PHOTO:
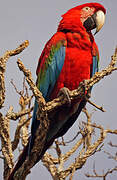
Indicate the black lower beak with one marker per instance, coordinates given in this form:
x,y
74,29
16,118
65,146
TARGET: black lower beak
x,y
90,22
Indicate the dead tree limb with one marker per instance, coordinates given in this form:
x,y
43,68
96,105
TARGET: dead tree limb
x,y
3,61
5,120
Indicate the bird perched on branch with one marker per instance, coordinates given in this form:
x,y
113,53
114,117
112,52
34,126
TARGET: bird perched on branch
x,y
68,58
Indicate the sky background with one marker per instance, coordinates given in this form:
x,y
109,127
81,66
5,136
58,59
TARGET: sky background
x,y
37,21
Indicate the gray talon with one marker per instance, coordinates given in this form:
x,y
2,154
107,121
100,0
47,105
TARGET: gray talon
x,y
66,94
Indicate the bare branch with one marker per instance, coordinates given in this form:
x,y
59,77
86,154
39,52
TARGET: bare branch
x,y
112,145
48,163
5,121
72,174
15,116
110,156
15,142
104,175
81,159
96,106
67,142
6,145
3,61
18,92
31,83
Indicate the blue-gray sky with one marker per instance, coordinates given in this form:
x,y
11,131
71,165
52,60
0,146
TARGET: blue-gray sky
x,y
37,21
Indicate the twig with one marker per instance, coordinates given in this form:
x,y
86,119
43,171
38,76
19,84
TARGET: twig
x,y
58,150
17,133
89,128
110,156
67,142
3,61
81,159
112,145
49,164
104,175
96,106
15,116
24,101
72,174
70,152
18,92
31,83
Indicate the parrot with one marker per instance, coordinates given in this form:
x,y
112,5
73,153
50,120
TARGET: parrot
x,y
68,58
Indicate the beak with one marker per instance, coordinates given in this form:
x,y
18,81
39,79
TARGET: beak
x,y
95,21
100,19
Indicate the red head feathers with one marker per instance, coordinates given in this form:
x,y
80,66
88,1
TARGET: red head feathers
x,y
74,18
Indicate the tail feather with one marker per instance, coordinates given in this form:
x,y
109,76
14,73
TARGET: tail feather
x,y
61,132
23,156
71,120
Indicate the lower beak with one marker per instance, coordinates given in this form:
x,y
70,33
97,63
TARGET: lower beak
x,y
95,21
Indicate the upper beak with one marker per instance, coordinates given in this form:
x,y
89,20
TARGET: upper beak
x,y
95,21
100,19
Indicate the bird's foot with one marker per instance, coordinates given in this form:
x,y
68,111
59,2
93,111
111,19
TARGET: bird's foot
x,y
83,85
65,92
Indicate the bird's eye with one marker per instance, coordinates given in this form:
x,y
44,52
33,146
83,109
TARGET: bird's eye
x,y
86,8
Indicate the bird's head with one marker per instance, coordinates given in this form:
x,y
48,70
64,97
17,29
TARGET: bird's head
x,y
87,16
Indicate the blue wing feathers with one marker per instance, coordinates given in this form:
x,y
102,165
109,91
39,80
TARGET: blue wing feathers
x,y
52,73
47,81
54,69
95,65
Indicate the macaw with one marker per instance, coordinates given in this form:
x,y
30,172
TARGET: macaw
x,y
69,57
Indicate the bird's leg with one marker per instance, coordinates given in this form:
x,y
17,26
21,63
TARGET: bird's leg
x,y
66,94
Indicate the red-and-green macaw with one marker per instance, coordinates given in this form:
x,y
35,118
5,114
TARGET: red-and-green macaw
x,y
69,57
